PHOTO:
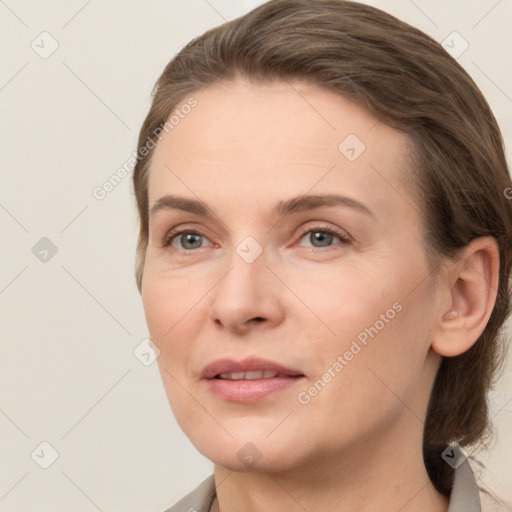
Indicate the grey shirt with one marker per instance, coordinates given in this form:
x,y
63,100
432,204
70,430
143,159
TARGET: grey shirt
x,y
465,496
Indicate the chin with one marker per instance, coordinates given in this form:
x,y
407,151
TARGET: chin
x,y
271,463
248,449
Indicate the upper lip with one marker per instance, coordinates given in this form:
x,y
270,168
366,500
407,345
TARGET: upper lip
x,y
246,365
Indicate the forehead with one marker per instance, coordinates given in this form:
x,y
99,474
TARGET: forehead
x,y
272,140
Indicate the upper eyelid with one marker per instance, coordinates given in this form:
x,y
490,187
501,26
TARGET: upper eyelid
x,y
303,229
172,233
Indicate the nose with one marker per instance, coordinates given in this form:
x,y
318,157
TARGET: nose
x,y
247,297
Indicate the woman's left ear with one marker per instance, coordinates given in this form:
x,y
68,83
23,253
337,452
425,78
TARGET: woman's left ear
x,y
474,286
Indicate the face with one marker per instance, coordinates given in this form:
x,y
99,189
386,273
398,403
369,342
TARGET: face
x,y
337,290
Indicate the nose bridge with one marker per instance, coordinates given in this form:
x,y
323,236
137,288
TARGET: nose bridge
x,y
246,290
246,273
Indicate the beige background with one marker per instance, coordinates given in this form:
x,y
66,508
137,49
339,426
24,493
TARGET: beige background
x,y
69,325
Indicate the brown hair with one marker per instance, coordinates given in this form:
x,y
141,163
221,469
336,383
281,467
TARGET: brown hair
x,y
408,81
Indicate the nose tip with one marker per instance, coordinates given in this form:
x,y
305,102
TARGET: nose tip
x,y
239,325
246,297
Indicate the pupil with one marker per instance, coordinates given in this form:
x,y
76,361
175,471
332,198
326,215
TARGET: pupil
x,y
190,238
321,237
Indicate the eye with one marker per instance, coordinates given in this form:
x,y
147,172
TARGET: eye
x,y
323,236
318,236
187,240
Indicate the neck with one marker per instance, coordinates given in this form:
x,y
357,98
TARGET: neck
x,y
385,474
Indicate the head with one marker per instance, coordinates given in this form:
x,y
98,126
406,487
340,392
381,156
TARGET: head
x,y
258,111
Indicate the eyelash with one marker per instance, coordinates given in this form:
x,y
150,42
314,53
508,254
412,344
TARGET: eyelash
x,y
171,235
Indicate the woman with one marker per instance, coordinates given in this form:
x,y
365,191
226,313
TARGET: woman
x,y
324,251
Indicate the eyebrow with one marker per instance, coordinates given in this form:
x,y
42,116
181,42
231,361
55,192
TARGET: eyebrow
x,y
282,208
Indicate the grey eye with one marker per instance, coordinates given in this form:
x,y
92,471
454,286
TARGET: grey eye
x,y
194,239
320,238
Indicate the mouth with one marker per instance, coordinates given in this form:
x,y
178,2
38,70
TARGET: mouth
x,y
254,375
250,380
251,368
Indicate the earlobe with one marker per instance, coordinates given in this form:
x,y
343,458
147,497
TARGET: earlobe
x,y
474,283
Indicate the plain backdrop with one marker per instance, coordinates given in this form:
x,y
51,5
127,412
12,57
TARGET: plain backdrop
x,y
71,316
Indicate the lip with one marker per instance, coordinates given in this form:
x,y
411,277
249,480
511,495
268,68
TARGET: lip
x,y
246,365
248,390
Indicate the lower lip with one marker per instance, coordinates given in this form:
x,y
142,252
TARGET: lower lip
x,y
250,390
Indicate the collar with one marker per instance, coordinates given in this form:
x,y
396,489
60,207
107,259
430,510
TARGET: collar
x,y
464,497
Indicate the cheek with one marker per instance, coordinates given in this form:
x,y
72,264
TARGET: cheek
x,y
171,318
377,344
372,381
346,298
169,303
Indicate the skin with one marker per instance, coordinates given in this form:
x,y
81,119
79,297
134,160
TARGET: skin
x,y
357,445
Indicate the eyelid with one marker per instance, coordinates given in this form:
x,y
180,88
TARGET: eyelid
x,y
340,233
172,233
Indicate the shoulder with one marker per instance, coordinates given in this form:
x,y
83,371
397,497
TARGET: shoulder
x,y
198,500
